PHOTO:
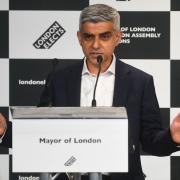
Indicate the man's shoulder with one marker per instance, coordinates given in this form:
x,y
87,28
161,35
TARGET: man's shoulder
x,y
133,71
70,68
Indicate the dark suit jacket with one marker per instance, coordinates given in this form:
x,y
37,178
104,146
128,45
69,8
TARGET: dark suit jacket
x,y
135,90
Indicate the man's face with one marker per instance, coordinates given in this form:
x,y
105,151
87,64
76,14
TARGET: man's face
x,y
98,39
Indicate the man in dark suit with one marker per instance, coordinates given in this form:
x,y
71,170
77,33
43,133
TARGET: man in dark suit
x,y
119,85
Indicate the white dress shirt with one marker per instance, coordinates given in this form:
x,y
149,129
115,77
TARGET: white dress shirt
x,y
105,86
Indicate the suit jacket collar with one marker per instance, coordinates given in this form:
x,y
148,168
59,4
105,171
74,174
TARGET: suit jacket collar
x,y
121,86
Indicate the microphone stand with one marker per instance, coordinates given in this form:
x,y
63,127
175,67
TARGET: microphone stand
x,y
99,60
96,175
46,95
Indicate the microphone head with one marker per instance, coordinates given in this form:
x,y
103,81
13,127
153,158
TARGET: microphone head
x,y
99,59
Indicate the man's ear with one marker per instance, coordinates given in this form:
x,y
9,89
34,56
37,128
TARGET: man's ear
x,y
79,37
119,36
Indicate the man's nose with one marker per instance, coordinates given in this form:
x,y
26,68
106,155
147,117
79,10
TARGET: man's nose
x,y
96,43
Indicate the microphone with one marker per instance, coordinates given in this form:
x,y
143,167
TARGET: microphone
x,y
99,60
46,95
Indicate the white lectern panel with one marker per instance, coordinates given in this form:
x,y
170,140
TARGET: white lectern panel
x,y
70,145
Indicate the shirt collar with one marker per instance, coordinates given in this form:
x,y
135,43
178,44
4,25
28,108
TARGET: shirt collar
x,y
110,70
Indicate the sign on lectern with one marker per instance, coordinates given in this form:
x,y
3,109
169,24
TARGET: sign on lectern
x,y
75,139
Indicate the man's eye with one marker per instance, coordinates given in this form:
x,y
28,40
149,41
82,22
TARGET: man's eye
x,y
105,36
87,37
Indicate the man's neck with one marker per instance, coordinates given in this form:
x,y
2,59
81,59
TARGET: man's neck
x,y
94,68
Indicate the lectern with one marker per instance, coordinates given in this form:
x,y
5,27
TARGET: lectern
x,y
70,139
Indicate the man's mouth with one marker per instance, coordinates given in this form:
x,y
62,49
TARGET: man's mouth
x,y
95,54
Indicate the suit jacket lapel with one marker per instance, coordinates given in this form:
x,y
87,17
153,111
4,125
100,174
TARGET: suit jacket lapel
x,y
122,84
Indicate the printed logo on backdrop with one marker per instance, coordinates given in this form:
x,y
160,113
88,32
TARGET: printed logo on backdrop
x,y
50,36
130,33
31,82
146,35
